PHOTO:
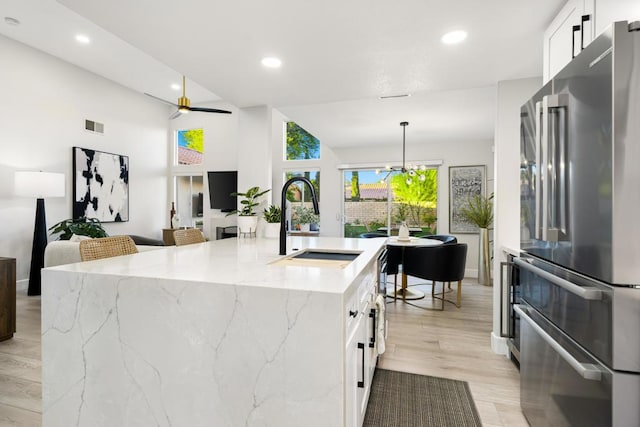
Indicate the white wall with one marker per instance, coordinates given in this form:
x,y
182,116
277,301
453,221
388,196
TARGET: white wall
x,y
451,154
220,154
45,103
511,95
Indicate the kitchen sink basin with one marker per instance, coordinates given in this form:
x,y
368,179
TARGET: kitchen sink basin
x,y
319,258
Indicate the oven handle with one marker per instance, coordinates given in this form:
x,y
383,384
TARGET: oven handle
x,y
583,292
588,371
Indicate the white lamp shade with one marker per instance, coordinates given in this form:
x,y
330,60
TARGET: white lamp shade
x,y
39,184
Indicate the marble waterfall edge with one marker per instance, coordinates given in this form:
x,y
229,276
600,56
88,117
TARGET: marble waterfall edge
x,y
123,350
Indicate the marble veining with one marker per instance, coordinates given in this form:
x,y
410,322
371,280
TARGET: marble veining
x,y
149,348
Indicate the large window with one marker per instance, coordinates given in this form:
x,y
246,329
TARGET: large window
x,y
190,147
298,195
413,199
300,144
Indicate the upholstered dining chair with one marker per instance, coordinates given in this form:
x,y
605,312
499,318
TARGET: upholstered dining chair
x,y
188,236
106,247
441,263
444,238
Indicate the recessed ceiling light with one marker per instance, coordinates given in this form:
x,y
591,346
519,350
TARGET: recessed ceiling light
x,y
11,21
271,62
454,37
175,86
82,39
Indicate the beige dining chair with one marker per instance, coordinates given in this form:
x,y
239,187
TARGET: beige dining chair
x,y
106,247
188,236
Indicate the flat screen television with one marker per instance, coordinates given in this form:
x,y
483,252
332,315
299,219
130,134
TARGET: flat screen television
x,y
221,185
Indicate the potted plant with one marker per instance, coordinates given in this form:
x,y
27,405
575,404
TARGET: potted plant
x,y
479,210
272,215
80,227
305,217
247,219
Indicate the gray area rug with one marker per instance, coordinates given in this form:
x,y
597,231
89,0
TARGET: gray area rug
x,y
400,399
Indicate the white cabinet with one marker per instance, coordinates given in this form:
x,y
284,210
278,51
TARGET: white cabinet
x,y
360,351
577,24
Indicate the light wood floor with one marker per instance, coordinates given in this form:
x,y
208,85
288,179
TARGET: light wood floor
x,y
455,343
451,344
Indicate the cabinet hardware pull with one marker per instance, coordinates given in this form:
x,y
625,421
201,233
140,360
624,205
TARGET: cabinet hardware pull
x,y
361,383
353,313
372,340
575,29
585,18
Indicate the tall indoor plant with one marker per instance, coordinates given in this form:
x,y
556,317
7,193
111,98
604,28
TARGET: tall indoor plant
x,y
247,218
479,210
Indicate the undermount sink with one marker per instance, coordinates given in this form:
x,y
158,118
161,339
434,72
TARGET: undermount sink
x,y
319,258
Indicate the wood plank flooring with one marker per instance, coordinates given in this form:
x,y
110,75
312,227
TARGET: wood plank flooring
x,y
455,343
451,344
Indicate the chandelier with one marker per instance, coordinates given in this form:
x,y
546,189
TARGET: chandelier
x,y
411,169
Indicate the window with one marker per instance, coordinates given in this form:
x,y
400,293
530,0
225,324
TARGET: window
x,y
298,195
190,147
413,199
300,144
189,196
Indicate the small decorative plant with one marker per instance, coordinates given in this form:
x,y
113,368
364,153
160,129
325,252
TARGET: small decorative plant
x,y
249,202
272,214
80,227
305,215
479,210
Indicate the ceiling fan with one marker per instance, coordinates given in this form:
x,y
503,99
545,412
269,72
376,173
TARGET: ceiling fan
x,y
184,104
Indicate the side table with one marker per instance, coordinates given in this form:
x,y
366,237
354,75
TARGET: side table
x,y
7,298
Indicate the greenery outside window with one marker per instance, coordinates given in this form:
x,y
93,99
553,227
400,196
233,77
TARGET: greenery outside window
x,y
300,144
190,147
298,195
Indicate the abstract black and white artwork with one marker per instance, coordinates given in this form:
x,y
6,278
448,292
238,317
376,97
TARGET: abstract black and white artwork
x,y
100,185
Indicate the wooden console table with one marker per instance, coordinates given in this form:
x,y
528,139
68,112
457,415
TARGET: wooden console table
x,y
7,298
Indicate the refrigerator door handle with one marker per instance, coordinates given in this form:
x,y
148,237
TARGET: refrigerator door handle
x,y
538,169
588,371
544,168
583,292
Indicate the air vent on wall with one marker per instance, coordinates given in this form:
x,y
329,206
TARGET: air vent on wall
x,y
95,127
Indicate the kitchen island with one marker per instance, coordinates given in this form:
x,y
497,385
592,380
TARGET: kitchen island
x,y
215,334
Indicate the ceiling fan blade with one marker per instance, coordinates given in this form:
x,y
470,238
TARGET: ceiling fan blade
x,y
160,99
174,115
209,110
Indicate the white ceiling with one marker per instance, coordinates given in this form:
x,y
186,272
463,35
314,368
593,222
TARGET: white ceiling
x,y
338,56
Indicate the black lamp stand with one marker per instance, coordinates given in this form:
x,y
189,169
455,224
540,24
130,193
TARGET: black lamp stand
x,y
37,251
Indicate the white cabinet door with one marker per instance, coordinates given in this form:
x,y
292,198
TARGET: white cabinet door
x,y
363,383
609,11
351,378
559,39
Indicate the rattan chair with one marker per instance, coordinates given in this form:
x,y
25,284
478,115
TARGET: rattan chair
x,y
188,236
106,247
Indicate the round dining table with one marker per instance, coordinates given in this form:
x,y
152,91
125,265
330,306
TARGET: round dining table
x,y
411,242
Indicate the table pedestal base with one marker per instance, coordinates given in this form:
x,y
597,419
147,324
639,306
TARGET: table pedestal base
x,y
410,294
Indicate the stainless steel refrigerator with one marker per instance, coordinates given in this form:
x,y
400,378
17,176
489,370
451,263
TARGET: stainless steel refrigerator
x,y
579,272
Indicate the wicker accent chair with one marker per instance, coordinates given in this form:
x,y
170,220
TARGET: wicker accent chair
x,y
107,247
188,236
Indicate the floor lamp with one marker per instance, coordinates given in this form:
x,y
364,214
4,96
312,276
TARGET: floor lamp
x,y
39,185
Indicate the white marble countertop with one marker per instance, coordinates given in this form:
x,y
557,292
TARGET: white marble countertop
x,y
240,261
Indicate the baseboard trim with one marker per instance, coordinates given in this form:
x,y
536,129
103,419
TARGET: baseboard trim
x,y
499,345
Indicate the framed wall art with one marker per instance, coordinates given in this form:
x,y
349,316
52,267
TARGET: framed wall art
x,y
100,185
464,182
